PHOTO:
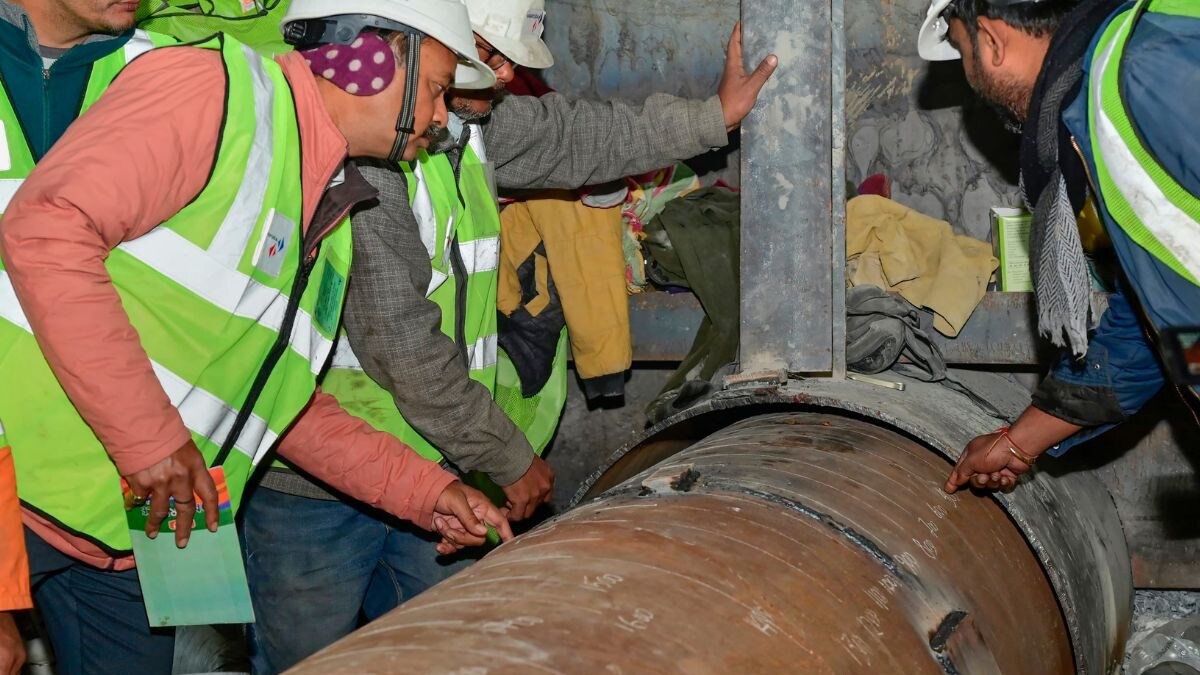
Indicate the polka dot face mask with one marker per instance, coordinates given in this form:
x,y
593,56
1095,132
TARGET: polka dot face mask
x,y
363,68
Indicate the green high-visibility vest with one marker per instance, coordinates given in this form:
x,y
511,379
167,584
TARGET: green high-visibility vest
x,y
469,226
462,238
207,292
254,23
16,158
1143,199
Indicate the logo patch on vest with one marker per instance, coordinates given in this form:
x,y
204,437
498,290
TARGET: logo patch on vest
x,y
277,240
329,299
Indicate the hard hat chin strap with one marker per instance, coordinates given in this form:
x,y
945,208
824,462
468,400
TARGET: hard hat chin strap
x,y
408,110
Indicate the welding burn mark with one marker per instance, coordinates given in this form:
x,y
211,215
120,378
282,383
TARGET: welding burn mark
x,y
850,534
941,637
947,665
937,641
685,481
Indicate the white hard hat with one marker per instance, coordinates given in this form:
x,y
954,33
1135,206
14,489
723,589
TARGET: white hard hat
x,y
514,27
932,44
446,21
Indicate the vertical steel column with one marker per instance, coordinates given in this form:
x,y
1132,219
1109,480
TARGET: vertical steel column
x,y
793,191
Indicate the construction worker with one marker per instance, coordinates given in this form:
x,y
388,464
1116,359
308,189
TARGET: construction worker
x,y
48,58
174,274
1105,91
421,323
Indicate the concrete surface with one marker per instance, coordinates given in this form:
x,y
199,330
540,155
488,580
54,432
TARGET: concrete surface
x,y
947,154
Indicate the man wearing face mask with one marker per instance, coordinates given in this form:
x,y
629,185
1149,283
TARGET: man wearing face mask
x,y
419,354
1106,91
173,280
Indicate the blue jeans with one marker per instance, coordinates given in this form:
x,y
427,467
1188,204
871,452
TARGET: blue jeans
x,y
317,569
96,618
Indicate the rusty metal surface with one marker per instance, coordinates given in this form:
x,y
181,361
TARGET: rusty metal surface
x,y
786,543
1001,332
787,220
1069,520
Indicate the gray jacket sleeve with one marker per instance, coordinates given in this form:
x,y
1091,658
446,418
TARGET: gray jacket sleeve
x,y
395,332
556,142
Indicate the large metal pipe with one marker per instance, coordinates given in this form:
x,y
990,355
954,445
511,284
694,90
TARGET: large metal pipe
x,y
794,542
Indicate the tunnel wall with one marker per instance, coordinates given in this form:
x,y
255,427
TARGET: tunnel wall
x,y
948,155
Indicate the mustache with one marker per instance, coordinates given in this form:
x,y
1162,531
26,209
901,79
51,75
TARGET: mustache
x,y
436,133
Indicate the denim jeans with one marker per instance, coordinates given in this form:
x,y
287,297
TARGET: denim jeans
x,y
319,569
96,618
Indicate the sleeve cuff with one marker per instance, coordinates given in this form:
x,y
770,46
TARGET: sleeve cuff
x,y
708,119
16,598
132,462
1081,405
520,459
424,499
1078,439
16,602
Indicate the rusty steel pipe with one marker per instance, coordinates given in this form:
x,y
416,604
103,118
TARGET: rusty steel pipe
x,y
787,543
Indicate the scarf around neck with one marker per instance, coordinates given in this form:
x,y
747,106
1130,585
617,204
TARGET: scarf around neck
x,y
1054,182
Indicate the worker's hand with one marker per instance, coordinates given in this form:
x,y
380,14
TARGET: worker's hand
x,y
184,476
459,517
739,90
12,648
530,491
986,464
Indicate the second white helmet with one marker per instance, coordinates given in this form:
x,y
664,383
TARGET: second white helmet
x,y
932,44
515,28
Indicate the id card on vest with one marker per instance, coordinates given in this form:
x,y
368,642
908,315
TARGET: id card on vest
x,y
202,584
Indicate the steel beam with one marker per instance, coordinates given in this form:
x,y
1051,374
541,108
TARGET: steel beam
x,y
1001,332
792,246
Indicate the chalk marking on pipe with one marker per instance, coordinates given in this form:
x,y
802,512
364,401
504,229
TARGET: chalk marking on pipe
x,y
751,609
493,598
761,550
340,659
469,584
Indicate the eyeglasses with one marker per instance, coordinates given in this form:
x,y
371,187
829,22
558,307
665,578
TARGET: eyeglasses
x,y
492,56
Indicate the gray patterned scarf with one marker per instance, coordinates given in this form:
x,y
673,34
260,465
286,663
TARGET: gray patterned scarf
x,y
1054,182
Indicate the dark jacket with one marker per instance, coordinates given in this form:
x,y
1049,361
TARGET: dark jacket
x,y
46,100
1122,369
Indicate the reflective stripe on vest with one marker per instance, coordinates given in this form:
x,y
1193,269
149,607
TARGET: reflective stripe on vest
x,y
1143,199
207,292
441,217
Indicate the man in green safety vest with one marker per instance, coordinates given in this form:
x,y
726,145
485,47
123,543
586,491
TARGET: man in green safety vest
x,y
419,357
174,272
1106,91
48,61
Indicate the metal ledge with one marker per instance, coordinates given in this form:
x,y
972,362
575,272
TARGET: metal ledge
x,y
1001,332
